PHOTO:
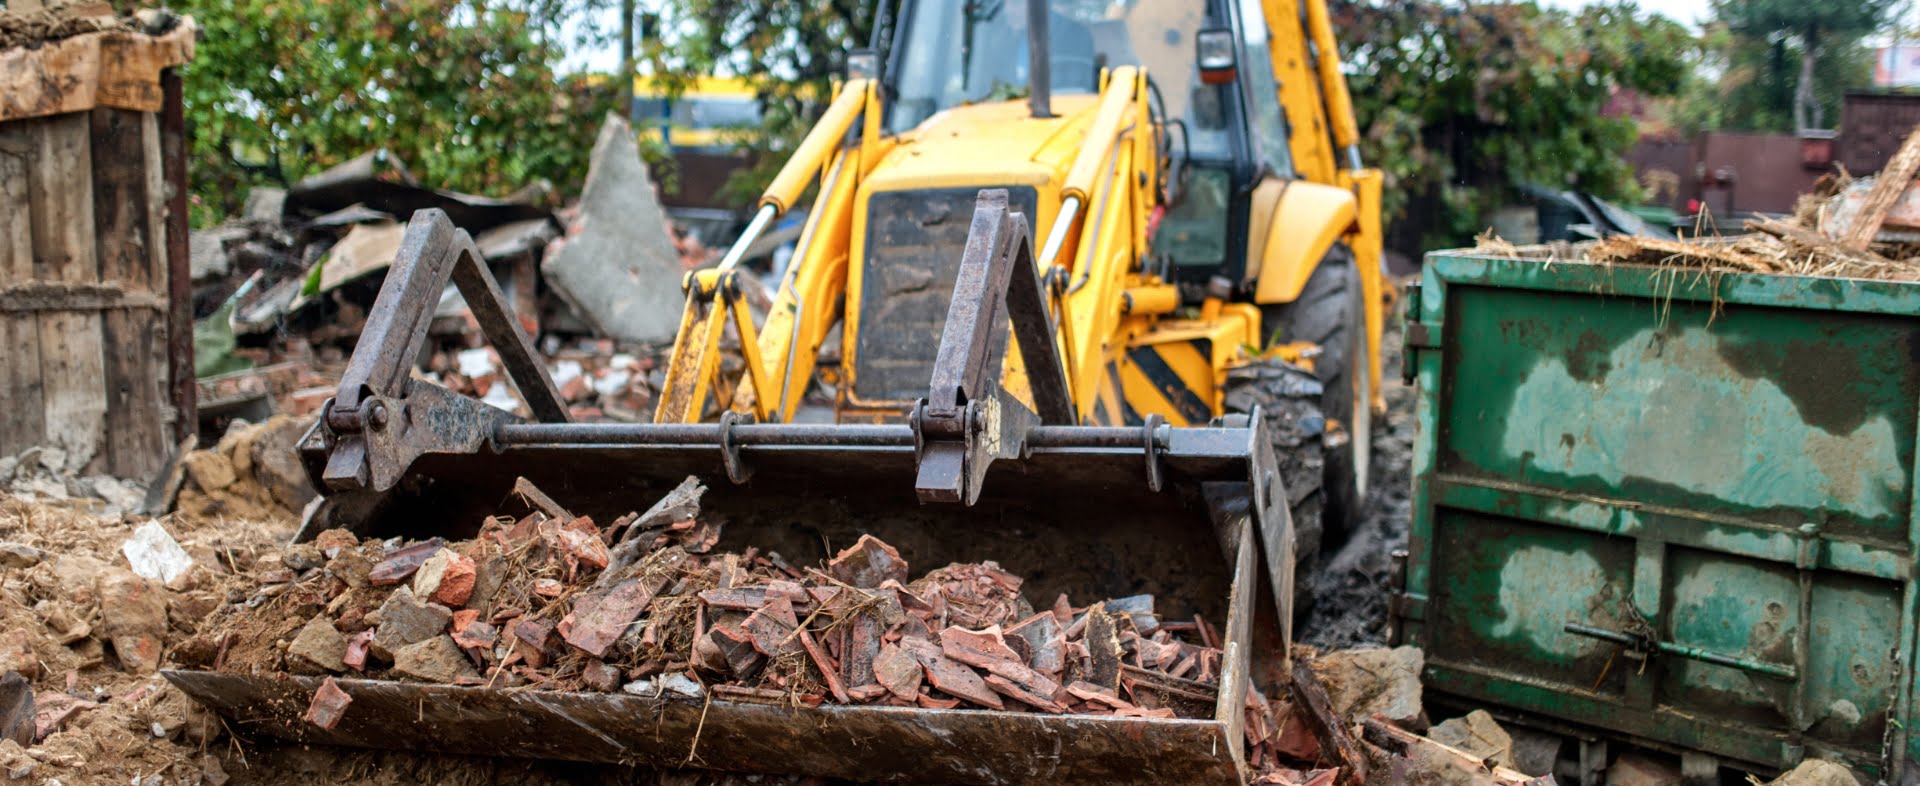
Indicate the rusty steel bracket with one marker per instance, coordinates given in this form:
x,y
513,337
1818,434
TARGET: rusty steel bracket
x,y
967,421
381,420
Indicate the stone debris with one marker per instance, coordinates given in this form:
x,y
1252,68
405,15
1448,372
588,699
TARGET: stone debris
x,y
1479,734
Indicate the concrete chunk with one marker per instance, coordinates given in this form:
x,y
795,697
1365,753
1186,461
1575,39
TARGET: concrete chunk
x,y
319,647
437,659
405,620
618,268
1479,734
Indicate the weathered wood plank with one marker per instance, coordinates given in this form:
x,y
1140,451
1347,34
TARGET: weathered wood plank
x,y
59,185
1887,188
134,368
23,420
111,69
179,323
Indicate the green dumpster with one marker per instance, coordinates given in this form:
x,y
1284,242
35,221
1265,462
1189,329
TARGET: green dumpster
x,y
1669,506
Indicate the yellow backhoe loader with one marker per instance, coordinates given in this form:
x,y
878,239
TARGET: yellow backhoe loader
x,y
1094,290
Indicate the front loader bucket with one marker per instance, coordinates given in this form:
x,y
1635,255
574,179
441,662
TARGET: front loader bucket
x,y
1195,517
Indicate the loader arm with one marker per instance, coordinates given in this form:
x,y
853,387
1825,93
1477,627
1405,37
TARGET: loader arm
x,y
1325,145
780,355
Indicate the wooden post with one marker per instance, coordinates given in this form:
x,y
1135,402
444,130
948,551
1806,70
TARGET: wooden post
x,y
71,368
93,257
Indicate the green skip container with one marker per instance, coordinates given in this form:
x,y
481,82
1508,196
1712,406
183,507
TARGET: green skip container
x,y
1668,507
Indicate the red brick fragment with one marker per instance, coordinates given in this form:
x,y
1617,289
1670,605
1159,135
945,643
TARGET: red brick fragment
x,y
868,563
476,636
1019,693
1088,691
329,705
1046,652
736,646
397,564
897,671
976,647
456,580
772,628
530,640
601,676
581,541
829,670
549,588
736,598
601,616
949,676
867,693
461,619
357,645
928,702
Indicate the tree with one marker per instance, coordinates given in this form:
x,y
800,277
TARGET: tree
x,y
1768,34
464,91
1463,104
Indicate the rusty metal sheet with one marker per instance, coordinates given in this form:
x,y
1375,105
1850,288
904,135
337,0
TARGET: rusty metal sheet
x,y
880,744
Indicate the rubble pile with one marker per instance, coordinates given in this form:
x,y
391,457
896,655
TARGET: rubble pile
x,y
1866,228
643,605
252,472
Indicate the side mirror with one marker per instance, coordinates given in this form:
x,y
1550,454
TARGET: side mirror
x,y
863,64
1214,52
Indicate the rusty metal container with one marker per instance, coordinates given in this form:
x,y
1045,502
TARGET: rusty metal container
x,y
1669,506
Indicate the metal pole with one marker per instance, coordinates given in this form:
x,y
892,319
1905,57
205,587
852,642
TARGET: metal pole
x,y
739,250
1057,234
1039,67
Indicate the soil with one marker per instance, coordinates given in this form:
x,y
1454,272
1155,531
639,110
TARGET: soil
x,y
1353,582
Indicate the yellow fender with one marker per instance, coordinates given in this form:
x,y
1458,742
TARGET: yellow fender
x,y
1308,220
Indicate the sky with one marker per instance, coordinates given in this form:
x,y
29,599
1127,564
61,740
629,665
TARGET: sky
x,y
1690,12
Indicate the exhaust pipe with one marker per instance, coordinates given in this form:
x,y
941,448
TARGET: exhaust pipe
x,y
1039,67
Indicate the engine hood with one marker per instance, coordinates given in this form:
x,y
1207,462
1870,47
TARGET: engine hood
x,y
987,144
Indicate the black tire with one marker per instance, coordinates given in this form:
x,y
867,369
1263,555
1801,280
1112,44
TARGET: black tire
x,y
1289,401
1331,312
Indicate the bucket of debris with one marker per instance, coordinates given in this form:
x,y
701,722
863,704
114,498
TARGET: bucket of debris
x,y
810,624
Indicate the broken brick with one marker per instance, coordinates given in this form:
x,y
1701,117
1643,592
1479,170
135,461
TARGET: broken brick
x,y
601,676
976,648
1088,691
445,578
863,644
530,640
51,711
357,645
463,618
581,541
736,647
949,676
897,671
771,628
1045,650
600,617
1008,688
476,636
398,564
329,705
829,671
868,563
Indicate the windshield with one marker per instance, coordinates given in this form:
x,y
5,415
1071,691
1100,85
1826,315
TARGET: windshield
x,y
955,52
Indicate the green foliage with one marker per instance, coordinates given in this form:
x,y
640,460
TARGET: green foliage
x,y
1462,104
790,51
1759,48
463,91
